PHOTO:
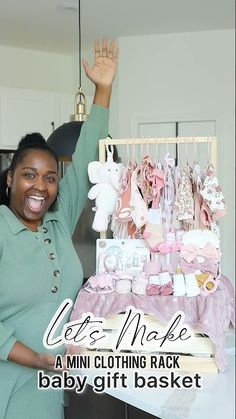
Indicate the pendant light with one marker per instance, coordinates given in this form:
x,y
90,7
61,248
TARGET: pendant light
x,y
63,140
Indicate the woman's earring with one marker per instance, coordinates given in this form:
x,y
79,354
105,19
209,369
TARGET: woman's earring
x,y
7,191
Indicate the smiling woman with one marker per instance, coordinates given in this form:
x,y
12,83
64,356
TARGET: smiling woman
x,y
39,267
32,180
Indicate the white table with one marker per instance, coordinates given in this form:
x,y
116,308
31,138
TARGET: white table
x,y
214,400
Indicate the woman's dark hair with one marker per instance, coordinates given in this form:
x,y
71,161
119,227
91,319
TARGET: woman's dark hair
x,y
29,142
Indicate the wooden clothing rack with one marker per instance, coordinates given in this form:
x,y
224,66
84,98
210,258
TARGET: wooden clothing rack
x,y
211,141
202,350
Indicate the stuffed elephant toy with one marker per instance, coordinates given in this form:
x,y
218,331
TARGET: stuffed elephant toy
x,y
107,177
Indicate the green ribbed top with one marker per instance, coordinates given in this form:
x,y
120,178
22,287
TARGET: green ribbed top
x,y
38,270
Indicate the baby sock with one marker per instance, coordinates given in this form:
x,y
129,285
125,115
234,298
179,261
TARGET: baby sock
x,y
179,285
192,288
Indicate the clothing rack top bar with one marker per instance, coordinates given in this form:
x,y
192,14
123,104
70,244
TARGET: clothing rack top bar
x,y
162,140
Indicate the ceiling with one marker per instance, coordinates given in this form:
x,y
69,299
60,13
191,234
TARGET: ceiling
x,y
52,25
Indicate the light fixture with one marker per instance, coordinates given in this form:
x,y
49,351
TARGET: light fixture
x,y
63,140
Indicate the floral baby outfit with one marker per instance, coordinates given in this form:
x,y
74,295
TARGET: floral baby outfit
x,y
212,194
184,200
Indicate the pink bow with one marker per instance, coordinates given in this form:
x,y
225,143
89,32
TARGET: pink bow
x,y
189,252
208,266
153,289
166,289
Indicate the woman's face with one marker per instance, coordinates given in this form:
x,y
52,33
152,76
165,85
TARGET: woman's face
x,y
33,186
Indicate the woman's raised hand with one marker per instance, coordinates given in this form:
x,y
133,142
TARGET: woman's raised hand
x,y
104,68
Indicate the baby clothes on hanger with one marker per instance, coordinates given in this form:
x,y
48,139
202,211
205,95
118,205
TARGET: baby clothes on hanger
x,y
184,200
168,192
122,210
119,230
122,215
175,221
153,232
162,204
131,210
138,207
212,194
202,212
213,199
197,198
144,178
156,177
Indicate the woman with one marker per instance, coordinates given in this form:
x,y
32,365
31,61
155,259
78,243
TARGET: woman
x,y
39,267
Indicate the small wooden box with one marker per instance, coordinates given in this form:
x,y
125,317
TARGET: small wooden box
x,y
195,355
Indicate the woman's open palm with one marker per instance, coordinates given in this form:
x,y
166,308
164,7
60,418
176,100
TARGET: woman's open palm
x,y
103,71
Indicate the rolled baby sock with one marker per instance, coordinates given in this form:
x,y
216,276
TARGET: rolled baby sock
x,y
192,288
179,285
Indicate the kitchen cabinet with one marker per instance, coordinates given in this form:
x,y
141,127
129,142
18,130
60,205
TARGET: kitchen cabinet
x,y
23,111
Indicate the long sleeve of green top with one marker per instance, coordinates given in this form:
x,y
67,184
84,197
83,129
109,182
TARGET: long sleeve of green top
x,y
39,270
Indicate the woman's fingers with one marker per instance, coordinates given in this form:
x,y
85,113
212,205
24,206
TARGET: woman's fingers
x,y
115,54
97,49
86,66
105,51
111,50
104,48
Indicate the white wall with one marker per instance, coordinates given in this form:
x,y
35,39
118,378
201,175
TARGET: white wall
x,y
37,70
178,77
175,76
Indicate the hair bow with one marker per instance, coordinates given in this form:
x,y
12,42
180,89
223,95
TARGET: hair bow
x,y
190,252
166,289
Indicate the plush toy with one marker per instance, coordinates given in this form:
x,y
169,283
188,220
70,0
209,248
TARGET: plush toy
x,y
107,177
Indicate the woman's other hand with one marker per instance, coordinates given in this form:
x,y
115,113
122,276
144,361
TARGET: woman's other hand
x,y
45,361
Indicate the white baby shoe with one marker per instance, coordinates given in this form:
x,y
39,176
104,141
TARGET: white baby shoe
x,y
192,288
179,285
